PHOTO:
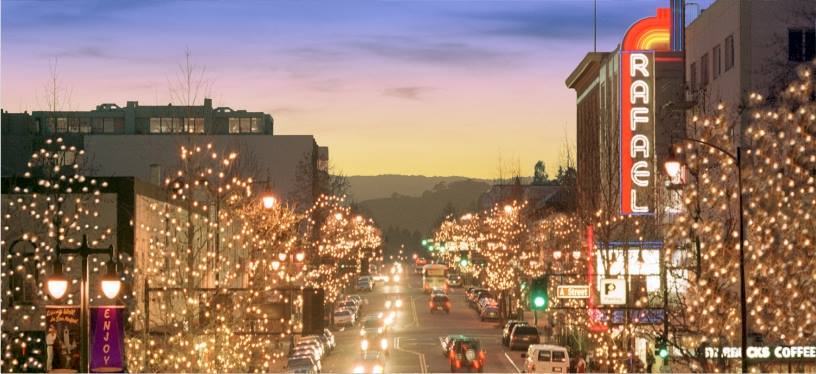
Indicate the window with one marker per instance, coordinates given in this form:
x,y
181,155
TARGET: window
x,y
693,77
801,44
107,125
244,125
62,125
558,356
73,125
544,356
176,125
717,68
51,124
194,125
729,52
85,125
66,158
704,71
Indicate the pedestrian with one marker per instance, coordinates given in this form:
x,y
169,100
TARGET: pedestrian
x,y
650,361
580,366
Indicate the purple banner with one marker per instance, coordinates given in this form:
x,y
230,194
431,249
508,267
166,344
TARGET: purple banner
x,y
107,339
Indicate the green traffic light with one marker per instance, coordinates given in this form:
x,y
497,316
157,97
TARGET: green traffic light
x,y
664,352
539,301
424,242
463,262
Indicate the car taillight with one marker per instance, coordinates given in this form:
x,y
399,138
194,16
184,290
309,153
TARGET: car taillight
x,y
430,304
482,354
447,304
458,364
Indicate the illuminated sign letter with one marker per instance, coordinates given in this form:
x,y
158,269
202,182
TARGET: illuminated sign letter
x,y
637,129
640,90
640,63
639,115
641,174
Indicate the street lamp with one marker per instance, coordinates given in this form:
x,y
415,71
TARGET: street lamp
x,y
673,166
58,285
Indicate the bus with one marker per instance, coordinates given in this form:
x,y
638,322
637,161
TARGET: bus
x,y
434,276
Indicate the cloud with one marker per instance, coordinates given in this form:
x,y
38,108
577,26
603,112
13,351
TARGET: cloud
x,y
414,49
406,92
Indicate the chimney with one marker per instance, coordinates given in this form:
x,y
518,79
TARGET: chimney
x,y
207,103
156,174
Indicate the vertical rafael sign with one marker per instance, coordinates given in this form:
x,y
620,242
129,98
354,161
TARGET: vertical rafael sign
x,y
637,132
644,39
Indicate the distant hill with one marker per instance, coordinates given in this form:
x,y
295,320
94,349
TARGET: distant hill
x,y
406,218
365,187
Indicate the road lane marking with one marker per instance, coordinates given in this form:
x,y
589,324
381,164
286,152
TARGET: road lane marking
x,y
414,312
420,356
512,363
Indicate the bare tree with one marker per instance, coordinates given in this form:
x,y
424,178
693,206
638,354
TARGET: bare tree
x,y
190,83
55,94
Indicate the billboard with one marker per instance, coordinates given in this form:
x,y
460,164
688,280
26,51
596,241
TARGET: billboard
x,y
62,338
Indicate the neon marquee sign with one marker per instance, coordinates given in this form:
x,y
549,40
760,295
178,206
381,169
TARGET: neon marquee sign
x,y
637,105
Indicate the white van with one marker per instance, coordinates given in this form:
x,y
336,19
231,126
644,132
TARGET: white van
x,y
545,358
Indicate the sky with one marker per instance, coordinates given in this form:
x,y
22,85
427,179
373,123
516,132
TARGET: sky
x,y
391,87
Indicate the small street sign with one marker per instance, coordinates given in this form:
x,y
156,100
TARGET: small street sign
x,y
573,292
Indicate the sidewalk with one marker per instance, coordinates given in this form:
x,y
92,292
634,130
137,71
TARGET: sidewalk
x,y
279,366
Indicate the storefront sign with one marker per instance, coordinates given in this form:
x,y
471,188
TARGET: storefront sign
x,y
61,338
637,129
613,291
107,339
573,292
779,352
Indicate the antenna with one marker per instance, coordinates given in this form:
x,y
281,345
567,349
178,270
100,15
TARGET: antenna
x,y
595,26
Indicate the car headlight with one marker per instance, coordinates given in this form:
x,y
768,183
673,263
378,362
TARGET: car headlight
x,y
386,278
364,344
359,369
384,344
378,369
398,303
396,278
362,332
387,304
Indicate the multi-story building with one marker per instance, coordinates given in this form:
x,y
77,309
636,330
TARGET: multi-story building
x,y
736,47
142,141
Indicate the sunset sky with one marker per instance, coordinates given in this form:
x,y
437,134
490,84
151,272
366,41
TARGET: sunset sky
x,y
391,87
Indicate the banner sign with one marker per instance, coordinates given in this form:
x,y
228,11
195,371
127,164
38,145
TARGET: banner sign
x,y
637,133
613,291
62,338
573,292
107,339
779,352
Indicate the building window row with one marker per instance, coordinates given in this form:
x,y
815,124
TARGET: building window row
x,y
174,125
801,44
717,66
244,125
84,125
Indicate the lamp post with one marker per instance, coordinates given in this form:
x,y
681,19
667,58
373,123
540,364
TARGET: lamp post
x,y
673,167
58,285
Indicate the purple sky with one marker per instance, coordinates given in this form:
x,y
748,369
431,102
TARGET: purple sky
x,y
406,87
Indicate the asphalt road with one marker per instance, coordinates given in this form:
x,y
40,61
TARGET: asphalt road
x,y
415,335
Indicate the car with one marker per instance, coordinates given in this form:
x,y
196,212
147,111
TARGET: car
x,y
467,353
545,358
324,347
328,339
447,343
369,362
508,328
367,278
313,344
523,336
302,365
438,291
489,313
373,335
364,285
481,295
454,280
350,305
344,317
439,302
307,353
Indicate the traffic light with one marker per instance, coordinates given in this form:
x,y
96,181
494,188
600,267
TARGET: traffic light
x,y
539,294
661,348
463,262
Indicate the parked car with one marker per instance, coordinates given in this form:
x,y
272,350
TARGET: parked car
x,y
439,302
367,278
364,285
489,313
545,358
328,337
344,317
508,328
311,344
302,365
471,292
467,353
324,347
454,280
523,336
486,302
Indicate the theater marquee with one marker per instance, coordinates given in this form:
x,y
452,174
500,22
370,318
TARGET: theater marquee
x,y
637,132
645,39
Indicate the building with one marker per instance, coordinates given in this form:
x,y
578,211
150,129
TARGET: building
x,y
627,118
143,141
735,47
